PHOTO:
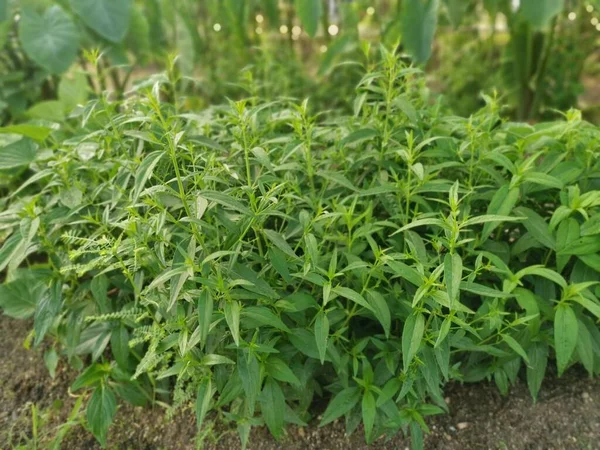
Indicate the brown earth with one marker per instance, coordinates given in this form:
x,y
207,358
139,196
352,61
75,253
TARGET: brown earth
x,y
567,415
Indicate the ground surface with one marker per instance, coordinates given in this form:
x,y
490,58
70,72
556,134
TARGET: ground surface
x,y
567,415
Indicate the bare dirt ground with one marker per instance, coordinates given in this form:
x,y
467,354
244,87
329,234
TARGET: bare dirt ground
x,y
567,415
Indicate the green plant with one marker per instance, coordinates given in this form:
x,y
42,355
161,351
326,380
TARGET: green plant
x,y
254,256
42,40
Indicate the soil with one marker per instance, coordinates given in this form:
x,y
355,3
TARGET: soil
x,y
566,416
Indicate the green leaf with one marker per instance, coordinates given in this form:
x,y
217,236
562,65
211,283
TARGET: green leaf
x,y
51,361
279,241
46,311
341,404
249,370
565,335
502,204
381,310
232,317
144,172
412,334
272,402
369,410
73,90
279,370
51,40
205,310
90,376
536,369
512,343
537,226
19,298
453,268
456,11
541,12
482,290
279,263
566,234
35,132
585,348
408,273
310,12
119,345
351,294
203,399
587,245
51,110
100,412
419,22
108,18
544,272
264,316
321,334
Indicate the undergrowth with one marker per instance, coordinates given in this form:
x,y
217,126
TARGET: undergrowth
x,y
252,257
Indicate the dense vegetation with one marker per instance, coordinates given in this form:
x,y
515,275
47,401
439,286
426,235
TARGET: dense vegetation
x,y
246,257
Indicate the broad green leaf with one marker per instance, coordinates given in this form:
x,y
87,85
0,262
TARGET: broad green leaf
x,y
35,132
540,13
213,360
543,179
536,369
203,400
339,405
51,361
264,316
408,273
591,305
279,263
73,90
537,226
587,245
419,22
272,402
50,40
502,204
310,12
279,241
412,334
47,310
100,412
249,370
482,290
512,343
19,298
232,317
351,294
279,370
359,136
108,18
119,345
321,334
51,110
566,234
456,11
144,172
585,348
565,335
381,310
369,410
544,272
453,268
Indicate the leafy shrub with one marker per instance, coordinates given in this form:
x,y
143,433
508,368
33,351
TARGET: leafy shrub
x,y
252,257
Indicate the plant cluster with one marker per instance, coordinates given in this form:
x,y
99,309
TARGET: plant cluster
x,y
255,256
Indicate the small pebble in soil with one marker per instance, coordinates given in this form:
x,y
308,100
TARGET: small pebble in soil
x,y
462,425
586,396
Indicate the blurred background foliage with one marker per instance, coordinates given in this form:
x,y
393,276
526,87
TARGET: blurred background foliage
x,y
537,56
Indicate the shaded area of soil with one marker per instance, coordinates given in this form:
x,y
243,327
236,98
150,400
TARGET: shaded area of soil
x,y
567,415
